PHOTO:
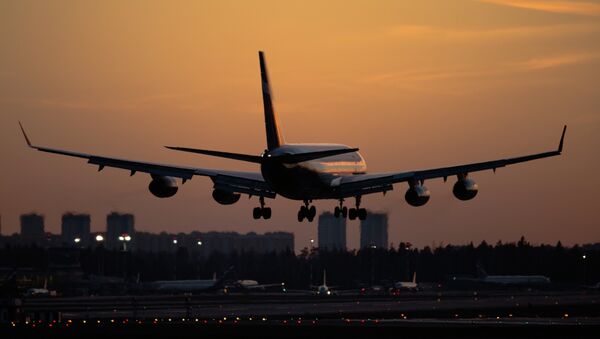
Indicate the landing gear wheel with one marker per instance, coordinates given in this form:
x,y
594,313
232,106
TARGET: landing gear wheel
x,y
344,212
257,212
362,214
301,214
266,213
336,212
352,214
312,212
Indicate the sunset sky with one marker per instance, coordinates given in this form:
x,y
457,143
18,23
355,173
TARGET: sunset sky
x,y
413,84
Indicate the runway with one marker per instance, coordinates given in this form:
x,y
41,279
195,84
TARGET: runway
x,y
269,314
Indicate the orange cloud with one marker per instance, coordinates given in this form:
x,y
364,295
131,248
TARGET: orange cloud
x,y
557,61
566,7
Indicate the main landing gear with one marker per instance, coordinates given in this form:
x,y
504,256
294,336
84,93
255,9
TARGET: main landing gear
x,y
357,212
262,211
307,212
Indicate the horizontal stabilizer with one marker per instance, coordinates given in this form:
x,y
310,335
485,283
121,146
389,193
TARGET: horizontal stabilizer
x,y
300,157
285,158
235,156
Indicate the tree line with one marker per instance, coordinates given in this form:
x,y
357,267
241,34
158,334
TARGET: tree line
x,y
368,266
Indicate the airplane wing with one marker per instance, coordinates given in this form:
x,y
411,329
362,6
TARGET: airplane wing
x,y
251,183
362,184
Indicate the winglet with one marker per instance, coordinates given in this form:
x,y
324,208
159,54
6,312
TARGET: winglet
x,y
25,135
562,139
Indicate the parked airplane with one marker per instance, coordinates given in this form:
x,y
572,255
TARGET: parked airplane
x,y
189,286
527,280
303,172
501,280
248,285
407,285
40,291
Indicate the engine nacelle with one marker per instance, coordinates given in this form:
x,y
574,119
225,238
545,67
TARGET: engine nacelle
x,y
225,197
163,187
417,195
465,189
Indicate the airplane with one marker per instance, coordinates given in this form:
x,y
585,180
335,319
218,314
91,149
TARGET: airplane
x,y
248,285
40,292
407,285
324,289
303,172
189,285
526,280
483,278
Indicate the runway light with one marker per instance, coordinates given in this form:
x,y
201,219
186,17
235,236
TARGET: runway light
x,y
566,315
77,240
175,241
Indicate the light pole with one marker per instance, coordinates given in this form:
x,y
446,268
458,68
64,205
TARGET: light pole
x,y
100,253
310,259
124,238
584,257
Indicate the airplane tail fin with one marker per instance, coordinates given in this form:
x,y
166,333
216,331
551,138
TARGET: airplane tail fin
x,y
274,137
481,273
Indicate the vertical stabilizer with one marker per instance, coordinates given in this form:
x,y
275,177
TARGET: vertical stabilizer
x,y
481,273
274,137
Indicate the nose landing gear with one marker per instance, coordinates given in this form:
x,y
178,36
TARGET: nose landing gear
x,y
340,210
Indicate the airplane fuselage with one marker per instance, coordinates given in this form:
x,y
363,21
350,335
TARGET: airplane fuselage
x,y
314,179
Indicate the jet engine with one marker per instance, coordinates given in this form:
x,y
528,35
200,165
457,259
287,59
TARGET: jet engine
x,y
163,187
417,195
465,189
225,197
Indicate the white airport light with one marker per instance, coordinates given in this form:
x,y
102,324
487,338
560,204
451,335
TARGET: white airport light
x,y
121,238
77,240
127,238
199,243
99,238
583,257
175,241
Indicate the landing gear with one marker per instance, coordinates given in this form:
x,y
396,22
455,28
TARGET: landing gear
x,y
262,211
306,211
357,212
340,210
